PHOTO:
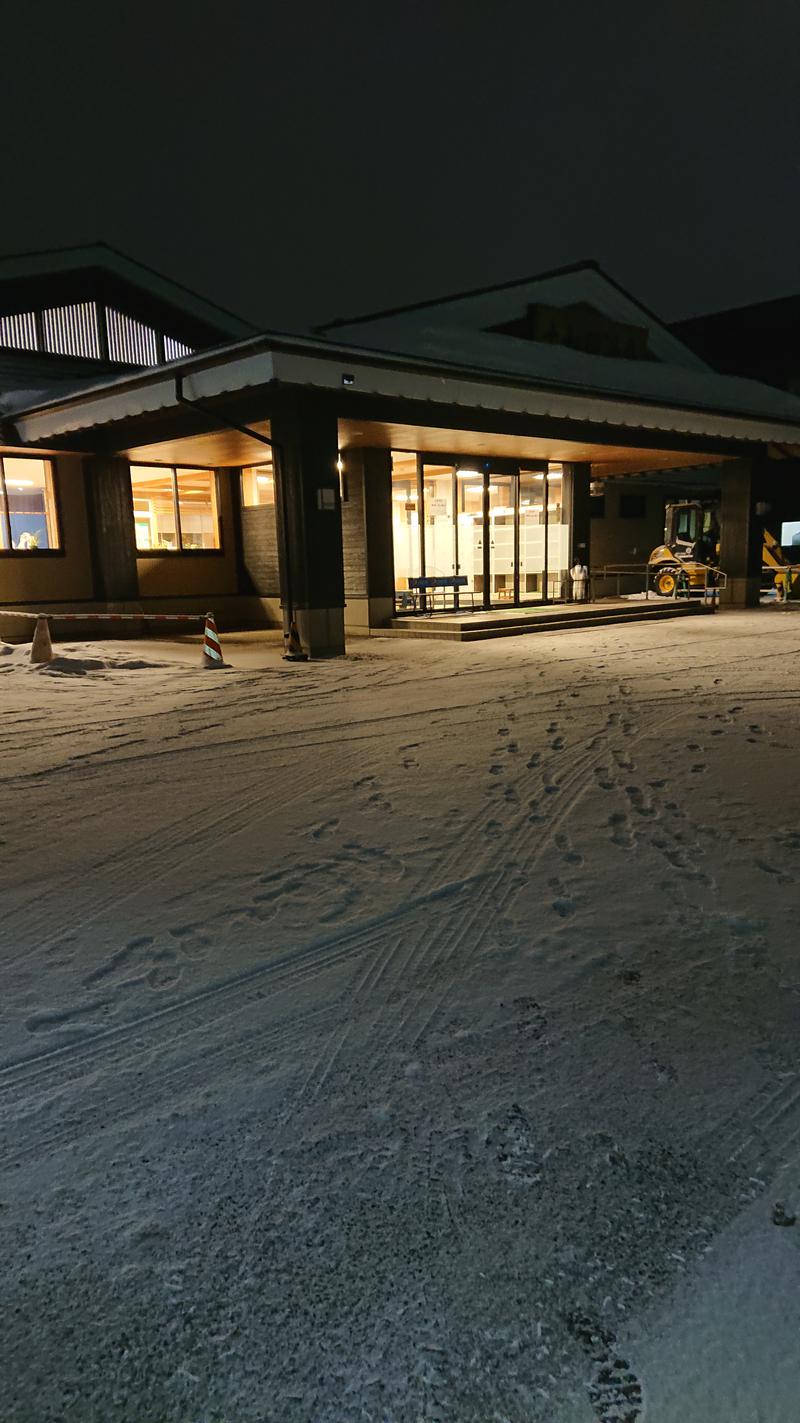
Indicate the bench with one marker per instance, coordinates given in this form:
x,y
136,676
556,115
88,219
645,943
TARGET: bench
x,y
421,594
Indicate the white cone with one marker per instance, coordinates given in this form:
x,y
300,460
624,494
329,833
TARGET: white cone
x,y
42,647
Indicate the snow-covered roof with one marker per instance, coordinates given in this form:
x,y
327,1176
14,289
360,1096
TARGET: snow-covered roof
x,y
463,330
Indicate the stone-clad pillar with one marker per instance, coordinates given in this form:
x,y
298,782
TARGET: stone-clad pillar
x,y
304,428
367,535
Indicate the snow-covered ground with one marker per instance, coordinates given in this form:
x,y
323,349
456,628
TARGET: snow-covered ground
x,y
406,1037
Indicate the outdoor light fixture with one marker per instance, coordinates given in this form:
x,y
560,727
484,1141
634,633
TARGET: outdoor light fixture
x,y
347,378
339,463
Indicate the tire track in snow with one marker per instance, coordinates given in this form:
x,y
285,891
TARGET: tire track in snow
x,y
129,866
286,971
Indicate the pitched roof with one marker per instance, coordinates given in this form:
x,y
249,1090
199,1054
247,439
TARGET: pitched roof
x,y
475,329
25,273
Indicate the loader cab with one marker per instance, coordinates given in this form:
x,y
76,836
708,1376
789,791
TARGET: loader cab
x,y
691,529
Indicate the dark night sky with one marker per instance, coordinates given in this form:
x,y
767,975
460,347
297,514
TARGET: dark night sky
x,y
299,161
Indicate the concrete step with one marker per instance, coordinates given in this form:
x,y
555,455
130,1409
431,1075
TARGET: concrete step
x,y
596,616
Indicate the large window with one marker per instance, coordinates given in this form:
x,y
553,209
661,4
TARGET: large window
x,y
258,485
28,520
405,518
174,510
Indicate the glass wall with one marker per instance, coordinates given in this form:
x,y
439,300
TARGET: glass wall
x,y
469,528
532,515
457,518
502,538
174,510
439,526
27,505
405,519
557,536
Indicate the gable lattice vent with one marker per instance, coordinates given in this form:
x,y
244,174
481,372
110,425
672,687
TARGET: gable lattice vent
x,y
19,331
129,341
174,350
72,330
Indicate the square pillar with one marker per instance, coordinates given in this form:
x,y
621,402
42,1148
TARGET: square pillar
x,y
367,538
741,533
576,511
304,429
112,532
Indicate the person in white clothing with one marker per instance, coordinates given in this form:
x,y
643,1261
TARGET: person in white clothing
x,y
579,574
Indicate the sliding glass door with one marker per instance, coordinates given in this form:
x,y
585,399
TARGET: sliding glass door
x,y
500,528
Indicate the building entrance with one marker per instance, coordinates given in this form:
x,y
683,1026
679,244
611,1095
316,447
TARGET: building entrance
x,y
501,528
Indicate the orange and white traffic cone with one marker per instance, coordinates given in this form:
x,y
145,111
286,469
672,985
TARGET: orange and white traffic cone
x,y
42,647
292,646
212,651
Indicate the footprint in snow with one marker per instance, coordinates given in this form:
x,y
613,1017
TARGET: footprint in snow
x,y
564,907
615,1393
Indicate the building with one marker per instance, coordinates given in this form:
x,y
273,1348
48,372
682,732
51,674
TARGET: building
x,y
159,454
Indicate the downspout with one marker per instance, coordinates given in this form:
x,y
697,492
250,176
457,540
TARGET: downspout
x,y
278,465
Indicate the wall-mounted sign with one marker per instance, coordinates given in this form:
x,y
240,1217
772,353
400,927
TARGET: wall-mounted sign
x,y
437,507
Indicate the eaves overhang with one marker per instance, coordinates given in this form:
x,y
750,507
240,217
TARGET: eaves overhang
x,y
264,362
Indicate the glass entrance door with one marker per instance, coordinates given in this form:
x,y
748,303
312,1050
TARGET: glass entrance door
x,y
501,529
532,535
469,531
439,528
502,539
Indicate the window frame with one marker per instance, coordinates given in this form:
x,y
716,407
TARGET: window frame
x,y
181,552
5,516
262,504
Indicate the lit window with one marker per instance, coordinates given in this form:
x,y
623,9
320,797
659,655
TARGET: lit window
x,y
197,508
258,485
174,510
27,505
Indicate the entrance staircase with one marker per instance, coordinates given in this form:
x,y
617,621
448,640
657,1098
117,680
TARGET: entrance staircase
x,y
514,622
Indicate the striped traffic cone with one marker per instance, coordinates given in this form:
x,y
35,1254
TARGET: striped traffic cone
x,y
42,647
292,646
212,651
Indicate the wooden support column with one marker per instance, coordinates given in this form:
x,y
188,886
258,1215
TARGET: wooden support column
x,y
576,511
741,533
304,427
112,532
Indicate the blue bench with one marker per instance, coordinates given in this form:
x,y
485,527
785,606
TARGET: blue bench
x,y
422,591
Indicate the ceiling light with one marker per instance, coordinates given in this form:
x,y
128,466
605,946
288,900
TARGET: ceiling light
x,y
468,474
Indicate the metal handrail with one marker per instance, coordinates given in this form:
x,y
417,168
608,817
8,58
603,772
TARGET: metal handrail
x,y
713,581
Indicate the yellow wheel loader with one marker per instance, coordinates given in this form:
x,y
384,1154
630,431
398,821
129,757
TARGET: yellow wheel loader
x,y
688,559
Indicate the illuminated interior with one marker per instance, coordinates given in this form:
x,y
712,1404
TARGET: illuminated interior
x,y
174,510
258,485
440,526
27,505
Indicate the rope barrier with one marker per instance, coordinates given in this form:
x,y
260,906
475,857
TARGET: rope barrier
x,y
42,648
108,617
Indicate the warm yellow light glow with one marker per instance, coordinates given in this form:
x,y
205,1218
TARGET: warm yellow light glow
x,y
468,474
